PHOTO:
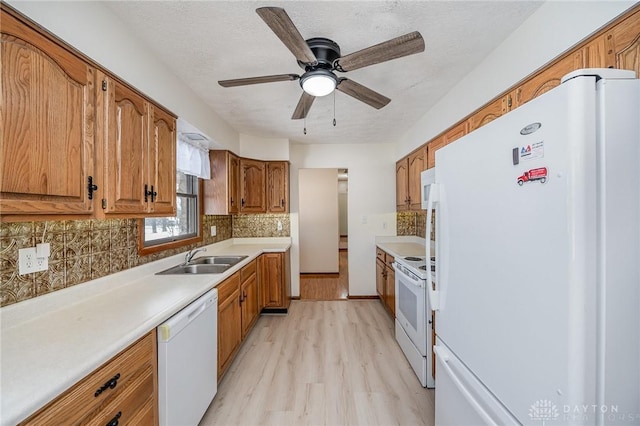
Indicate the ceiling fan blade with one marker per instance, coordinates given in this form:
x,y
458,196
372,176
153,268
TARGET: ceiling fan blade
x,y
280,23
302,109
398,47
258,80
362,93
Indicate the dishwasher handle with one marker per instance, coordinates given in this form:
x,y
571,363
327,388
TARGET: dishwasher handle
x,y
179,321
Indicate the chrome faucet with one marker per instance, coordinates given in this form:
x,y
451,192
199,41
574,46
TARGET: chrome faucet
x,y
189,256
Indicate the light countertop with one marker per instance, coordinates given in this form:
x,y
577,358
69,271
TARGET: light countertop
x,y
51,342
402,246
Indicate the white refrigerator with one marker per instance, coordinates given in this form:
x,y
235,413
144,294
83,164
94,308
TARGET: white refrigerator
x,y
537,293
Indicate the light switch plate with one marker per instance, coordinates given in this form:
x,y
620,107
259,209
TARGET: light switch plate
x,y
28,262
213,231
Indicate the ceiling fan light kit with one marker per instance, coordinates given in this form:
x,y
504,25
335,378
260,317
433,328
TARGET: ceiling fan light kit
x,y
320,57
318,82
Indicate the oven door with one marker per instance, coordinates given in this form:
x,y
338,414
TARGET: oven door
x,y
411,306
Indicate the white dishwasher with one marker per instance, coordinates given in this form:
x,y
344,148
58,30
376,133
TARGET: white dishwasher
x,y
188,362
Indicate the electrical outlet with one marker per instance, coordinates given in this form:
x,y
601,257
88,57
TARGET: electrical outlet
x,y
279,226
213,231
28,262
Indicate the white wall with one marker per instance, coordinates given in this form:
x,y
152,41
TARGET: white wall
x,y
263,148
318,220
553,29
94,30
371,200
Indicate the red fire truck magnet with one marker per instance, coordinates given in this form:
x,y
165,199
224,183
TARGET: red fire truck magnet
x,y
539,174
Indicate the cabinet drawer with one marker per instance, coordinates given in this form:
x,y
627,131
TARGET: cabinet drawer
x,y
93,391
227,287
247,271
126,405
380,254
389,259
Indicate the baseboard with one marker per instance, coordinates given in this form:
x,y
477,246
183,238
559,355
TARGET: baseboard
x,y
363,297
319,274
295,297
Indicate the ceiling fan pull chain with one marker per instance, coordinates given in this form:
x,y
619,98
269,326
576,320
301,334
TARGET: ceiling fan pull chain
x,y
334,108
305,123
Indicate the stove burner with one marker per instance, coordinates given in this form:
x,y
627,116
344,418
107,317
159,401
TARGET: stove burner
x,y
412,259
433,258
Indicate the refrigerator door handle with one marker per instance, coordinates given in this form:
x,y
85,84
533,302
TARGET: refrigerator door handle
x,y
443,356
434,196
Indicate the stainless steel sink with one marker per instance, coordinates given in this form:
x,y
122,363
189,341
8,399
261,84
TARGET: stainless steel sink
x,y
204,265
215,260
196,269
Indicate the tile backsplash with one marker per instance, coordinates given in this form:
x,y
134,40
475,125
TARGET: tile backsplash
x,y
412,223
81,250
261,225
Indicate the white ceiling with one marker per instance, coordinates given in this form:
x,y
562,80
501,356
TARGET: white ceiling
x,y
206,41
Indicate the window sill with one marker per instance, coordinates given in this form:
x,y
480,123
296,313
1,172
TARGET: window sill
x,y
143,251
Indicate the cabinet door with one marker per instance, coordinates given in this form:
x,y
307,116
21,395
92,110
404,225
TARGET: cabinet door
x,y
278,187
548,78
249,296
380,279
490,112
417,164
432,147
48,125
271,275
126,149
229,330
597,54
402,184
233,179
162,163
456,132
623,41
252,186
390,290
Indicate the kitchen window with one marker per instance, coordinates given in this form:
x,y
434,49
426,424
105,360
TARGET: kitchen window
x,y
161,233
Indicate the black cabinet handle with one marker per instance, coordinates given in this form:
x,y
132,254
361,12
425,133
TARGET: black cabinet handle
x,y
112,383
232,201
148,193
114,421
282,202
91,187
154,194
242,202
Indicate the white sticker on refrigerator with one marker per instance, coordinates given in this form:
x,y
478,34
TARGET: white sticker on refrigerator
x,y
531,151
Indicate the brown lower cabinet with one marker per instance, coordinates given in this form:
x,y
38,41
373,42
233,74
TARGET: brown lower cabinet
x,y
241,299
275,282
133,398
386,281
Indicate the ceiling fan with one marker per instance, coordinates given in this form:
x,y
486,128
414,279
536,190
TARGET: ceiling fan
x,y
321,58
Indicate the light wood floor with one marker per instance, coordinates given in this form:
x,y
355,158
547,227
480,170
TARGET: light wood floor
x,y
325,363
327,286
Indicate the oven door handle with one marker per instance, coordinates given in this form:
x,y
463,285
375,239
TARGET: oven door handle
x,y
415,281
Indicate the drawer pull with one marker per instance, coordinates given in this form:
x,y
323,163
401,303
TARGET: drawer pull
x,y
109,385
114,421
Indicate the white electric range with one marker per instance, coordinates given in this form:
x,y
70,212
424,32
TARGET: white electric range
x,y
414,325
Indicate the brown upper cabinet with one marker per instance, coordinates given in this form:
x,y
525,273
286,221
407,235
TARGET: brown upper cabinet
x,y
491,111
277,187
243,185
417,164
139,153
222,191
402,184
623,43
549,78
252,186
103,146
47,154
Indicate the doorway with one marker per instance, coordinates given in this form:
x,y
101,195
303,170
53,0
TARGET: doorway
x,y
323,234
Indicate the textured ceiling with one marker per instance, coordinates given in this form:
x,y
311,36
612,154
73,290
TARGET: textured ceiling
x,y
206,41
